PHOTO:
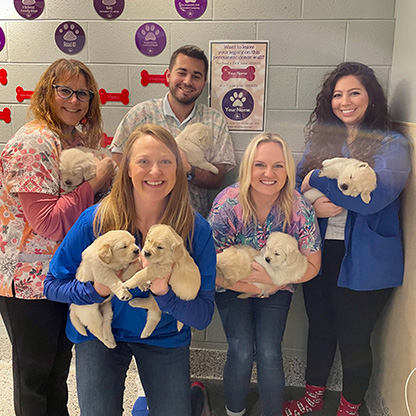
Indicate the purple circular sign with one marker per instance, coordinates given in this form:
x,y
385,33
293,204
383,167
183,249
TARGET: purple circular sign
x,y
109,9
2,39
70,37
191,9
150,39
29,9
237,104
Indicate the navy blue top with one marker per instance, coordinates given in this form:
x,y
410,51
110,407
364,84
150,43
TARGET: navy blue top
x,y
373,236
60,285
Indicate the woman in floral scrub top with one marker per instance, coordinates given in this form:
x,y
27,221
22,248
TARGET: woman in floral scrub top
x,y
263,201
35,217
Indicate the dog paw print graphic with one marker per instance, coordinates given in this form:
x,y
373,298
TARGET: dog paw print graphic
x,y
238,104
150,39
70,37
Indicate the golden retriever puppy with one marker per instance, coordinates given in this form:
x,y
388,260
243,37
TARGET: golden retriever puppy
x,y
77,165
195,140
166,253
280,257
111,252
353,177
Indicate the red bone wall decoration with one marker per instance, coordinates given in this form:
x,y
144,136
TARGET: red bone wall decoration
x,y
105,140
154,79
5,115
113,96
247,73
3,76
21,94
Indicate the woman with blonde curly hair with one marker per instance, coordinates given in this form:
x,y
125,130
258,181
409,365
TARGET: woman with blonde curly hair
x,y
150,188
263,201
35,217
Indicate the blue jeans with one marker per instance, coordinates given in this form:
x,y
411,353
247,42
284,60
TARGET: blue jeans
x,y
101,373
254,329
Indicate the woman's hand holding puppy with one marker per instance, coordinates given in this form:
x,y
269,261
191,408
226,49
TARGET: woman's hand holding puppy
x,y
106,169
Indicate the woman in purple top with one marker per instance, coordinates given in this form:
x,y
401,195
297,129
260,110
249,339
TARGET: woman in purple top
x,y
263,201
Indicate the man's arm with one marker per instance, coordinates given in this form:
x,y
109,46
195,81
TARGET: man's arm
x,y
209,180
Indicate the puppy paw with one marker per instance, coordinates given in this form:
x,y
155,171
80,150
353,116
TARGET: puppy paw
x,y
123,294
144,287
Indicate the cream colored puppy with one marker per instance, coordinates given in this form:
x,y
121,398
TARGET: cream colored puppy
x,y
166,253
111,252
77,166
195,140
353,177
280,257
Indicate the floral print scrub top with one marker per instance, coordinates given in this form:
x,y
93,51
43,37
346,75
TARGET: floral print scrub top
x,y
29,163
226,220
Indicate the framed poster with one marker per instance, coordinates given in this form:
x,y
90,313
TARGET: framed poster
x,y
238,78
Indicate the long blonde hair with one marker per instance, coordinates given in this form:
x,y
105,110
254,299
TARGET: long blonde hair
x,y
118,211
43,99
285,198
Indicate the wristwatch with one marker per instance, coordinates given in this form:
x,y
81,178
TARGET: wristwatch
x,y
191,174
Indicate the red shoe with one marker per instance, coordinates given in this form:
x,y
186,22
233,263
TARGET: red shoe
x,y
312,401
199,400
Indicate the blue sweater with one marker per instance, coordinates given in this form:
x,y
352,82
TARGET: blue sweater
x,y
60,285
373,237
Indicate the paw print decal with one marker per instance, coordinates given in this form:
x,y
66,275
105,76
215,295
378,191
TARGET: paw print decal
x,y
29,9
237,104
150,32
238,100
70,37
150,39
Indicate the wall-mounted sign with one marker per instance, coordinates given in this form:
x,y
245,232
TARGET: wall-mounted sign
x,y
5,115
29,9
109,9
153,79
3,76
2,39
150,39
70,37
238,83
105,96
191,9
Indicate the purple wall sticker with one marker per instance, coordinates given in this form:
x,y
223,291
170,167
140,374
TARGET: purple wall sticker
x,y
2,39
237,104
109,9
29,9
150,39
191,9
69,37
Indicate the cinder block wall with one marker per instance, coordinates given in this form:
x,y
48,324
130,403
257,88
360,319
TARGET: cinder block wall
x,y
307,38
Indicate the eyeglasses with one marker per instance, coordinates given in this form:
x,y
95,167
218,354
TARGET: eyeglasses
x,y
66,93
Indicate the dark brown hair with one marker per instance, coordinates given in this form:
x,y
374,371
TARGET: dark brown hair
x,y
325,133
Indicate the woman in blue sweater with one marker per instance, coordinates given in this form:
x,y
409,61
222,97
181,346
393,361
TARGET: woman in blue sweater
x,y
150,188
362,250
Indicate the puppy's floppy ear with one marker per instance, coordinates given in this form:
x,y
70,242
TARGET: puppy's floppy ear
x,y
292,256
89,168
105,253
365,196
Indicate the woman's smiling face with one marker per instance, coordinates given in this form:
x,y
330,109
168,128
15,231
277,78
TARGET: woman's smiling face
x,y
268,173
152,169
350,101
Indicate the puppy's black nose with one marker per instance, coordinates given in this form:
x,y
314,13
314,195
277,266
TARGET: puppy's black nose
x,y
68,182
137,251
344,186
147,254
267,259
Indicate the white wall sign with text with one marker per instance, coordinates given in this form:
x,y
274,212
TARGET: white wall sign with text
x,y
238,79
